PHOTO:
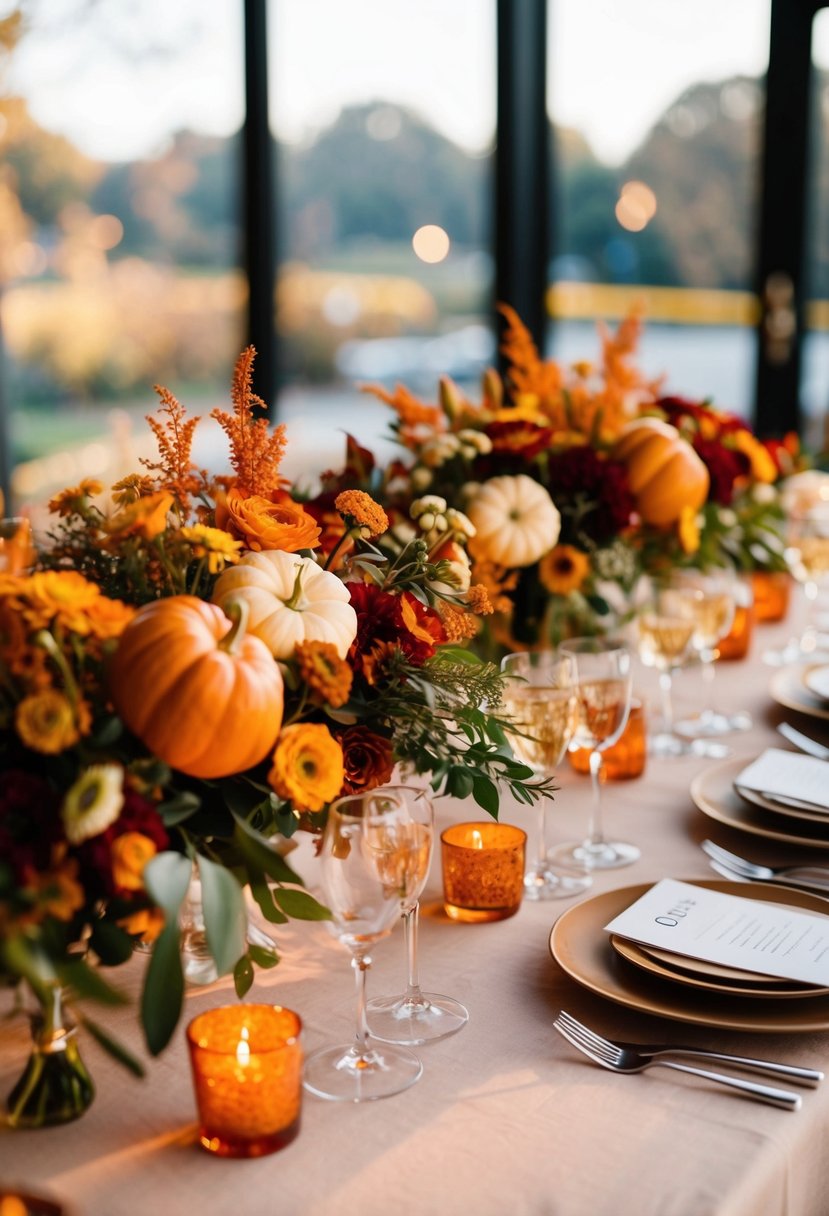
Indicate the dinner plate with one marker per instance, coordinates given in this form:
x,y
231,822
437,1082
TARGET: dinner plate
x,y
641,957
580,946
703,967
803,813
713,792
816,679
787,689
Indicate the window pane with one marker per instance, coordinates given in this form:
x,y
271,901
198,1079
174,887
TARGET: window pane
x,y
658,137
385,129
119,259
815,375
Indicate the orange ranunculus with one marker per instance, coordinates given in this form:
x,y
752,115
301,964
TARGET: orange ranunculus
x,y
108,618
264,524
130,853
367,759
145,517
307,766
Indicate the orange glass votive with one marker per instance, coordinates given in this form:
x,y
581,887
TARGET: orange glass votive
x,y
17,550
625,759
247,1076
772,589
736,642
483,870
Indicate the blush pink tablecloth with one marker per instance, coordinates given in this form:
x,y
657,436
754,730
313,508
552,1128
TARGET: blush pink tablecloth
x,y
507,1118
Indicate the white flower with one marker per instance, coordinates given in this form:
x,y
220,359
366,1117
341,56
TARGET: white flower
x,y
460,523
728,518
477,440
764,493
429,502
93,802
421,478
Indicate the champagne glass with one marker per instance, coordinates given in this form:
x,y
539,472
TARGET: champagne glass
x,y
603,689
709,600
363,891
665,642
415,1016
540,701
807,555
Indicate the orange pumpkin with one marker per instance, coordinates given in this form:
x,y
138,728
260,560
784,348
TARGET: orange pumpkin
x,y
202,695
664,471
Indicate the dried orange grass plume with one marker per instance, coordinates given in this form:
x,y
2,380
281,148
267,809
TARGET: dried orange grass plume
x,y
528,372
173,431
255,450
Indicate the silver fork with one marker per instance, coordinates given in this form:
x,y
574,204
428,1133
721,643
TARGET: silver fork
x,y
809,1077
811,877
627,1060
803,742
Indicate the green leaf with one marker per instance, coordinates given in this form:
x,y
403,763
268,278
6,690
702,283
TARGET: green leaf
x,y
300,905
262,894
256,850
112,1046
21,958
485,793
225,918
178,808
108,732
263,957
243,976
167,877
163,989
86,981
459,783
111,943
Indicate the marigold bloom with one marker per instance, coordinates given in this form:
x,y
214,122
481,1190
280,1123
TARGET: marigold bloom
x,y
70,500
93,802
458,625
478,601
563,569
108,618
217,546
262,524
130,853
322,669
146,517
64,594
46,722
307,766
57,890
359,509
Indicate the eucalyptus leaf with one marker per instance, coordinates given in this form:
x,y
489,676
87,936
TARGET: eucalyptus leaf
x,y
166,878
112,1046
262,957
178,808
225,917
485,793
163,990
243,976
256,850
300,905
86,981
262,894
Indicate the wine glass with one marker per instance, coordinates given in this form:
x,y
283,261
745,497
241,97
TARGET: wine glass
x,y
665,637
807,555
709,600
603,690
540,701
413,1016
363,889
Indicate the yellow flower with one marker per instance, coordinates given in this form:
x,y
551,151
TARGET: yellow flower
x,y
527,408
130,853
763,468
46,722
146,923
145,516
308,768
108,618
93,802
322,669
688,530
132,487
57,890
217,546
72,500
563,569
359,509
64,594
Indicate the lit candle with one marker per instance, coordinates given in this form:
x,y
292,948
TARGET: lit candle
x,y
483,870
247,1076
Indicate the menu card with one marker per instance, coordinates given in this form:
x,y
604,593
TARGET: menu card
x,y
788,777
727,929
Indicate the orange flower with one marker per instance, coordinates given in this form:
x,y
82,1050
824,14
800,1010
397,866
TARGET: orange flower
x,y
108,618
367,758
146,517
64,594
57,890
763,468
71,500
359,509
307,766
46,722
563,569
262,524
132,487
322,669
130,853
147,924
458,625
214,544
688,530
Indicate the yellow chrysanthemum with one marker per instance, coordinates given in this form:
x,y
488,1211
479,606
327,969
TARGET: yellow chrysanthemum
x,y
132,487
64,594
688,530
308,769
47,723
322,669
563,569
359,510
217,546
93,802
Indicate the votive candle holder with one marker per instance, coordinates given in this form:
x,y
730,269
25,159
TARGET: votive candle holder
x,y
626,758
247,1076
483,870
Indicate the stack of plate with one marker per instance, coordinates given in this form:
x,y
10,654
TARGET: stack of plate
x,y
804,689
686,989
717,795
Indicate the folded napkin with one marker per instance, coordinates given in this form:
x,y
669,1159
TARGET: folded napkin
x,y
789,778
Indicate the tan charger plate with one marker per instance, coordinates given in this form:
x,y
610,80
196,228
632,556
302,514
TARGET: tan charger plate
x,y
713,792
700,966
750,984
580,946
788,812
787,689
816,680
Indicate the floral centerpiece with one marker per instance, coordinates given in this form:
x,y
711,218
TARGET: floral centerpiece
x,y
187,671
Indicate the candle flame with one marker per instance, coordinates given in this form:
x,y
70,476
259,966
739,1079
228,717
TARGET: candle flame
x,y
243,1048
477,839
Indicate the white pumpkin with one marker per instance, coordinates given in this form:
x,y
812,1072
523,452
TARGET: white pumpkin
x,y
516,522
290,599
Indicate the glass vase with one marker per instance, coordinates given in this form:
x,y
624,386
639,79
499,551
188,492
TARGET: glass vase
x,y
55,1086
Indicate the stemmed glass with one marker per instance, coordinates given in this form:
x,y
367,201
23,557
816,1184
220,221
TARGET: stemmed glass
x,y
603,688
665,637
540,700
369,853
709,600
807,555
413,1016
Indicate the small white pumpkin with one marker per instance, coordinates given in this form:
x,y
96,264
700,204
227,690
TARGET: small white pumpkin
x,y
516,521
290,599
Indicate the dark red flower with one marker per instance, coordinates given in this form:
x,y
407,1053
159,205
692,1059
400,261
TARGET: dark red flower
x,y
525,439
29,823
367,758
95,855
399,620
724,467
591,492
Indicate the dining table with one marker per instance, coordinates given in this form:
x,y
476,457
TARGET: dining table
x,y
507,1117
